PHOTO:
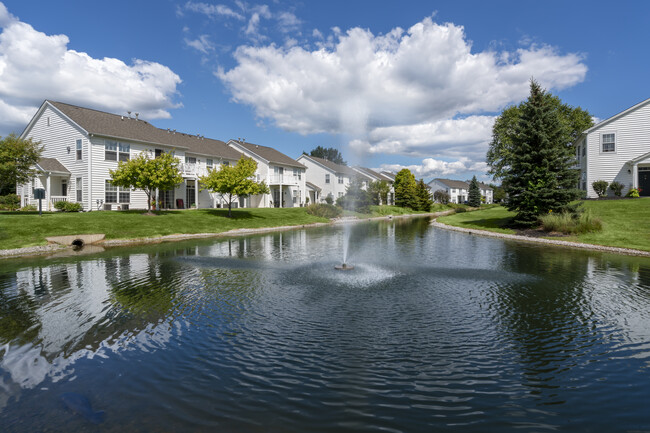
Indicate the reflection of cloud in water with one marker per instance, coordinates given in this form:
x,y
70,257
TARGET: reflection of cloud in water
x,y
27,367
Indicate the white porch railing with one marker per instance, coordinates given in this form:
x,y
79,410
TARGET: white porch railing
x,y
190,169
58,198
283,179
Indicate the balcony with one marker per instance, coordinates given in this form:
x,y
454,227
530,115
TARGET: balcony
x,y
192,170
283,180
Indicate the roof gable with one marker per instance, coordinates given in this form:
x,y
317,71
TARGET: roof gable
x,y
51,165
617,116
267,153
332,166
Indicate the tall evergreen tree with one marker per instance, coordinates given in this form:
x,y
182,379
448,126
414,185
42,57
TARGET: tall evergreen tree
x,y
405,189
424,196
540,178
474,196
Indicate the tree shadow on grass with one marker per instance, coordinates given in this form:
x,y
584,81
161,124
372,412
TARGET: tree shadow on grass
x,y
493,223
237,214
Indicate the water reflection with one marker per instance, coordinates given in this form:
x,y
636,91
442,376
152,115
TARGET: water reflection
x,y
431,330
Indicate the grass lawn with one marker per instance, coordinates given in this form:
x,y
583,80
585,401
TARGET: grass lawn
x,y
23,229
625,222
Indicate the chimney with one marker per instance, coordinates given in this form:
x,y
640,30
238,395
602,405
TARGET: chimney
x,y
129,114
136,116
167,130
122,117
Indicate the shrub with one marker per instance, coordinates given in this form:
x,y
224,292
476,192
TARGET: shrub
x,y
329,199
60,205
441,196
571,223
600,186
617,188
10,201
72,207
460,209
28,208
324,210
633,192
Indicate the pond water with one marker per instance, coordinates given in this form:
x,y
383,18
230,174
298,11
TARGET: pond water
x,y
432,331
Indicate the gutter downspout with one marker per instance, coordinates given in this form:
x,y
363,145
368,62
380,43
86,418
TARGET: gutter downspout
x,y
90,174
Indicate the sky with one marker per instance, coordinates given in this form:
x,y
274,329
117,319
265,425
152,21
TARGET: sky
x,y
391,85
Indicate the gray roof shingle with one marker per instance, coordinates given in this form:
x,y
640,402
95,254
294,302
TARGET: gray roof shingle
x,y
52,164
337,168
122,127
269,154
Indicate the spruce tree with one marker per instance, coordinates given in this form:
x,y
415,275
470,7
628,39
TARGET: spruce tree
x,y
540,178
424,196
474,197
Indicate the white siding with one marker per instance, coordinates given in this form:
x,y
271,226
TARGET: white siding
x,y
316,175
632,140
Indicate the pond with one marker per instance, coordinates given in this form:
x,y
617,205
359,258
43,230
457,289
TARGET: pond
x,y
432,331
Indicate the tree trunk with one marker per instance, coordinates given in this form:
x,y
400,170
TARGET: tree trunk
x,y
229,205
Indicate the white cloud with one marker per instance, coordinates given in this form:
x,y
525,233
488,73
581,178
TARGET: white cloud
x,y
288,22
213,11
201,44
420,92
35,66
259,12
432,168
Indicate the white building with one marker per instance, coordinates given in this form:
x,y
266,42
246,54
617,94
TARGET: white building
x,y
333,179
458,190
81,145
372,176
617,149
284,176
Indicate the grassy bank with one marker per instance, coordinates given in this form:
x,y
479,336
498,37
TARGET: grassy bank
x,y
625,222
19,229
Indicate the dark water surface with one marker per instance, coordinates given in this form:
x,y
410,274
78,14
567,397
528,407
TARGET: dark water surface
x,y
433,331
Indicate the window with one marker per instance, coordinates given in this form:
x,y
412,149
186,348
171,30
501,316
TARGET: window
x,y
79,150
584,149
125,151
158,153
110,150
609,142
226,163
340,179
79,186
190,160
112,193
327,178
296,173
209,163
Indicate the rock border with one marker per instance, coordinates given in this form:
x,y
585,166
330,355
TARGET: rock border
x,y
48,249
567,244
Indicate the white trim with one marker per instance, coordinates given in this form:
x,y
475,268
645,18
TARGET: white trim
x,y
600,140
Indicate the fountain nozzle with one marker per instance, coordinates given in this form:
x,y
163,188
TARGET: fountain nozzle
x,y
344,267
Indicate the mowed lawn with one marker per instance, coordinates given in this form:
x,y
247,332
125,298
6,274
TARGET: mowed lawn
x,y
20,229
626,223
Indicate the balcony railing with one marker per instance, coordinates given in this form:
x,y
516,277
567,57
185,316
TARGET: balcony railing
x,y
283,179
190,169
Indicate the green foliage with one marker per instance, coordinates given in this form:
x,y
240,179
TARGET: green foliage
x,y
617,188
460,209
568,223
355,198
324,210
539,176
571,121
474,195
600,186
441,196
329,199
67,206
28,208
328,153
17,160
379,191
147,174
406,189
423,194
498,193
633,192
234,181
10,201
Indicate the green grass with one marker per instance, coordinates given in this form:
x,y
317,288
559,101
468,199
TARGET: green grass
x,y
625,222
24,229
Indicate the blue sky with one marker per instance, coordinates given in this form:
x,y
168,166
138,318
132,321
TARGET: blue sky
x,y
390,84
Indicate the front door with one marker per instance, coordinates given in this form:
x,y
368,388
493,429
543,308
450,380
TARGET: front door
x,y
644,181
64,188
276,198
190,193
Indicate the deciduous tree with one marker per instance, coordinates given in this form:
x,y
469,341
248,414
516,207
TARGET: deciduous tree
x,y
18,158
148,174
234,181
379,191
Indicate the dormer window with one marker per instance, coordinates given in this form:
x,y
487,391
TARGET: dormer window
x,y
609,142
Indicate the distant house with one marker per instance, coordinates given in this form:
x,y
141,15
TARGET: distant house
x,y
81,145
617,149
284,175
333,179
458,190
374,176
